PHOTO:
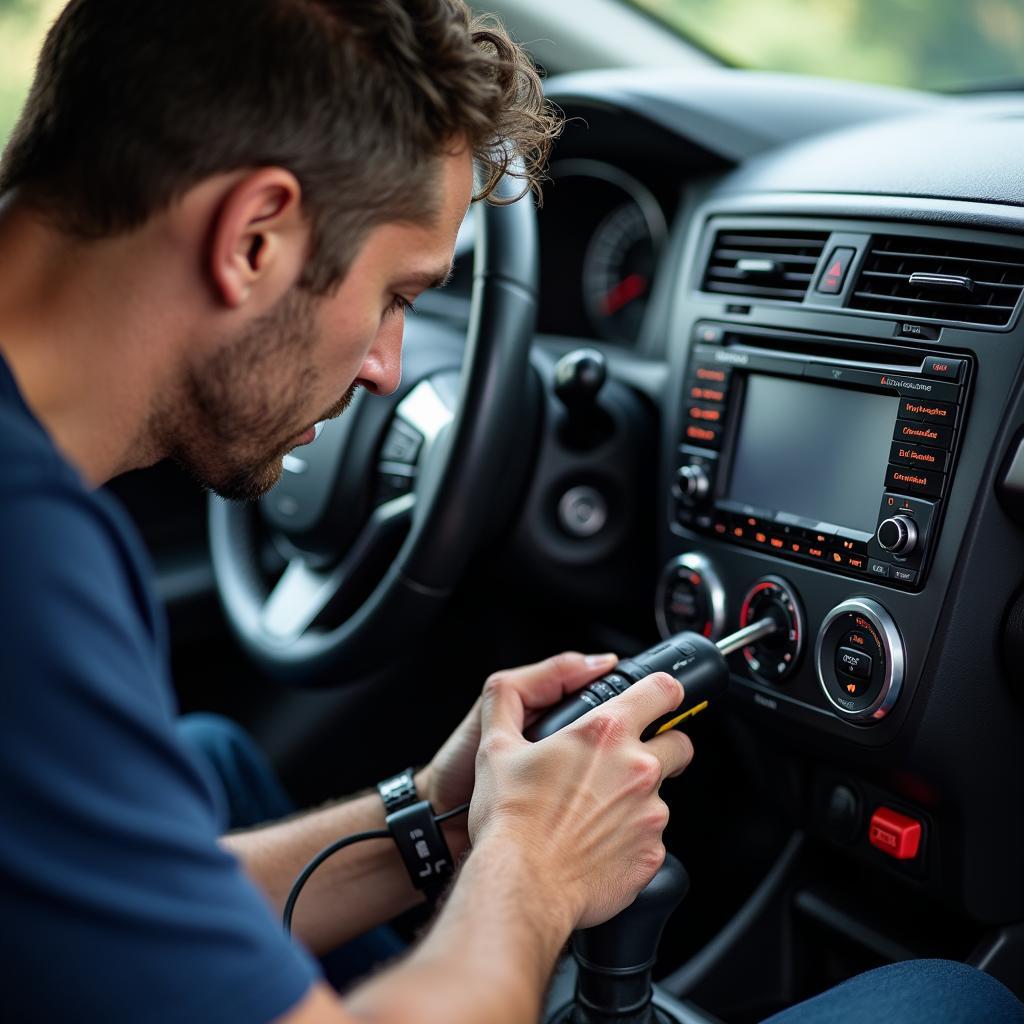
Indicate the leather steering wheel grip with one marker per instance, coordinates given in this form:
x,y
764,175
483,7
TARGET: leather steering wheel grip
x,y
453,516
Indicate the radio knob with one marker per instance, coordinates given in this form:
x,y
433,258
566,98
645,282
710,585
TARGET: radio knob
x,y
693,483
898,534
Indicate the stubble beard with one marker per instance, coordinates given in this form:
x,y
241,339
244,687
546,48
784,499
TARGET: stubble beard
x,y
241,408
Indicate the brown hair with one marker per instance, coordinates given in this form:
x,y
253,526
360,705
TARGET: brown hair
x,y
136,101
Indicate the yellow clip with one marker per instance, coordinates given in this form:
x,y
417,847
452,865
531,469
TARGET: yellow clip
x,y
695,710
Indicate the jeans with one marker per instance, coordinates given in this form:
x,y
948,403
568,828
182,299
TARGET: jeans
x,y
911,992
236,767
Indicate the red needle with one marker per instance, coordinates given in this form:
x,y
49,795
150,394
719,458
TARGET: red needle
x,y
628,289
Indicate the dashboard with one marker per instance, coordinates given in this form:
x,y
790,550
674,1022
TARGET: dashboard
x,y
820,293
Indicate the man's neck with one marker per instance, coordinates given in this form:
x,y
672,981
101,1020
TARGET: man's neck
x,y
75,333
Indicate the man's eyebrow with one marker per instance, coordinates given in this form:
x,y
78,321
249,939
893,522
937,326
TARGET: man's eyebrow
x,y
429,278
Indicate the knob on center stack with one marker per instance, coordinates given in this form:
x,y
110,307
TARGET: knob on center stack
x,y
772,659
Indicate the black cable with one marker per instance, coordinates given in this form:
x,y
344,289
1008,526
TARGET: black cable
x,y
340,844
454,812
327,851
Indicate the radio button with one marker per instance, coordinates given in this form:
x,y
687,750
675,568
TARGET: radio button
x,y
705,393
877,568
927,412
705,373
901,575
706,413
931,434
914,480
706,435
918,455
940,366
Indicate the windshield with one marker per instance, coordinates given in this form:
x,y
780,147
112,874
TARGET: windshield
x,y
928,44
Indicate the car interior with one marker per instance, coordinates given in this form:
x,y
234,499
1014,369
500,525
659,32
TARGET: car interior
x,y
641,408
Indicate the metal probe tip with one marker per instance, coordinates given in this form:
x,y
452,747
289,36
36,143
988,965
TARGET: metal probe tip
x,y
746,636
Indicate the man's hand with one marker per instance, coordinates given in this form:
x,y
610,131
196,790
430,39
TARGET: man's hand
x,y
581,807
448,780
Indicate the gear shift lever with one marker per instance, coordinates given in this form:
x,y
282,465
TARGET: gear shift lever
x,y
616,958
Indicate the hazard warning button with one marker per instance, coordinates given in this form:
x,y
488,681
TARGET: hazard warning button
x,y
834,274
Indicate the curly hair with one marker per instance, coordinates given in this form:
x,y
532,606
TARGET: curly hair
x,y
134,103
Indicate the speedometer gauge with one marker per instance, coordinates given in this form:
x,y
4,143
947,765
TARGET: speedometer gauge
x,y
618,270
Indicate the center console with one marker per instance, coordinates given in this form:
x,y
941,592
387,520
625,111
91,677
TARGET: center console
x,y
821,457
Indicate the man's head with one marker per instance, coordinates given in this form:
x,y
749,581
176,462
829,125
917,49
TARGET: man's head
x,y
316,156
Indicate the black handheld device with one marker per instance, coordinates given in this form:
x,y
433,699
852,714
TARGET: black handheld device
x,y
694,660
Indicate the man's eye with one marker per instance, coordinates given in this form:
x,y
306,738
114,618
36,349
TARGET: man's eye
x,y
399,304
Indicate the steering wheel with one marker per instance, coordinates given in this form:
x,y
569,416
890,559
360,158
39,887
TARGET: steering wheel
x,y
378,517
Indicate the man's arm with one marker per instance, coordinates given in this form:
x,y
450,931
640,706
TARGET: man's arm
x,y
566,832
350,892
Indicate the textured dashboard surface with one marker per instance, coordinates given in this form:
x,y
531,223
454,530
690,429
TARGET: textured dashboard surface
x,y
969,150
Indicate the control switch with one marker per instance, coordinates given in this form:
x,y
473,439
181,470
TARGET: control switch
x,y
852,662
896,835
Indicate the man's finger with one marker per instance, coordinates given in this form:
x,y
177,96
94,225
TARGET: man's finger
x,y
655,695
546,682
673,749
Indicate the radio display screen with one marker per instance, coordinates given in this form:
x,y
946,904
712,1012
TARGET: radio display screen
x,y
812,450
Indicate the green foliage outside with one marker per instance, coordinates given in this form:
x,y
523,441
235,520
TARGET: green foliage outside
x,y
927,43
931,44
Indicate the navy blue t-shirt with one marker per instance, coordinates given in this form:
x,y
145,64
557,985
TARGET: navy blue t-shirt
x,y
116,901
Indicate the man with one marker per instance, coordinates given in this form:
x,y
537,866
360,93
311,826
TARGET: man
x,y
213,218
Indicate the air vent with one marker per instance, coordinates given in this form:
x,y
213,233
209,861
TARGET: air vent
x,y
764,264
959,282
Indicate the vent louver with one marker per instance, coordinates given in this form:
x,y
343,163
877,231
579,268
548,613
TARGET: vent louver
x,y
958,282
764,264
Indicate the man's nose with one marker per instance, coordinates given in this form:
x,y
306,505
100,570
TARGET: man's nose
x,y
381,371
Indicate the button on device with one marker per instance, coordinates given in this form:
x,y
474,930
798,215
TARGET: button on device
x,y
944,367
710,374
701,393
896,835
703,434
834,274
902,575
877,568
914,480
853,662
927,412
602,689
617,682
919,455
706,413
930,434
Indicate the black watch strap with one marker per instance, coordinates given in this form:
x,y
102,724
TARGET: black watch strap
x,y
399,791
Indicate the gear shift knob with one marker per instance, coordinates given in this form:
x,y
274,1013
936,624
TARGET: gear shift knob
x,y
616,958
579,377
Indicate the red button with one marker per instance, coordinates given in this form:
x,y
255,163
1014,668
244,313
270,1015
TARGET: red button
x,y
895,834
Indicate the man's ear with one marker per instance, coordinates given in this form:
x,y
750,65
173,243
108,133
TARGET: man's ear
x,y
258,240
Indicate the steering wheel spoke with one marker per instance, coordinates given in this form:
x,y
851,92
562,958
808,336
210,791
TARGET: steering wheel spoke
x,y
303,592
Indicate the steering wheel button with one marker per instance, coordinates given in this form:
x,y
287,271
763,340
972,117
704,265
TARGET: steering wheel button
x,y
853,662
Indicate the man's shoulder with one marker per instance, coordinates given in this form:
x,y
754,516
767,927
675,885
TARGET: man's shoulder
x,y
28,457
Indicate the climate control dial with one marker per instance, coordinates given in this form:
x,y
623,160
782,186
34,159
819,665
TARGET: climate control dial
x,y
860,660
772,659
690,596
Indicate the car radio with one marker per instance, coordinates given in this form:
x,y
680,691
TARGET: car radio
x,y
836,462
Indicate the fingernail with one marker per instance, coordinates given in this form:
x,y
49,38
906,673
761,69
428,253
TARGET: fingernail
x,y
597,660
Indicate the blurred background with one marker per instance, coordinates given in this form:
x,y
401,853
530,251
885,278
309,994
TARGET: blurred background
x,y
931,44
